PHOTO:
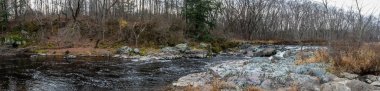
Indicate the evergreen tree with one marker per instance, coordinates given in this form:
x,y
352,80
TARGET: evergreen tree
x,y
200,18
3,15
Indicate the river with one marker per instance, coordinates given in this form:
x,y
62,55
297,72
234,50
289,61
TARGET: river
x,y
93,73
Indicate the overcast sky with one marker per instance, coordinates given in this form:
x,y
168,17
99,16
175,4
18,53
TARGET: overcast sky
x,y
369,6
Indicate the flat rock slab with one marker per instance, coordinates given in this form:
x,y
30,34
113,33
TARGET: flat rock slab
x,y
348,85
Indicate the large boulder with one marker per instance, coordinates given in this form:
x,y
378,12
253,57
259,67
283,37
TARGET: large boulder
x,y
197,79
204,45
124,50
265,73
369,78
348,85
267,52
253,51
183,47
70,57
349,75
335,86
196,54
305,82
248,50
376,83
261,72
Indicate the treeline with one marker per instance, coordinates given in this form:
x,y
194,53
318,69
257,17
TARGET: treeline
x,y
297,19
159,20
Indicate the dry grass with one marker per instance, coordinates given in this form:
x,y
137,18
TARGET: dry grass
x,y
215,85
254,88
319,56
289,42
192,88
293,88
360,59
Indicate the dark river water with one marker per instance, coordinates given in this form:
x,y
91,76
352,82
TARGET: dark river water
x,y
93,74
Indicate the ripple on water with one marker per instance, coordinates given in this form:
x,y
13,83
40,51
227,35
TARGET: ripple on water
x,y
51,74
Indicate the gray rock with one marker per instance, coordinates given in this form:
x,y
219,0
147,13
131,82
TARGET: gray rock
x,y
34,56
349,75
228,68
248,50
335,86
135,60
136,50
124,57
145,58
287,54
267,84
331,77
182,47
373,77
249,53
267,52
348,85
169,50
376,83
196,54
197,79
170,57
368,81
70,57
261,71
124,50
245,46
117,56
370,78
357,85
43,54
306,82
204,45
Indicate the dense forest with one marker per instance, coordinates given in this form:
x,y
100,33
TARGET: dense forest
x,y
168,22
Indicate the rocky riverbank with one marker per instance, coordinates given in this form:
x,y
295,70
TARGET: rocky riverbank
x,y
166,53
135,54
276,68
10,51
268,67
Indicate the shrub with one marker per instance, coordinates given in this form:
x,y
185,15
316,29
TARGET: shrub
x,y
159,33
319,56
220,44
14,39
362,60
32,26
40,51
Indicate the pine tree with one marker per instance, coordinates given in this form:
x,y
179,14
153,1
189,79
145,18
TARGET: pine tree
x,y
3,15
199,18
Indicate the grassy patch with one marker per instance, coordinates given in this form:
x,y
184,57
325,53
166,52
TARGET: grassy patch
x,y
220,85
40,51
220,44
361,59
289,42
319,56
254,88
148,50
